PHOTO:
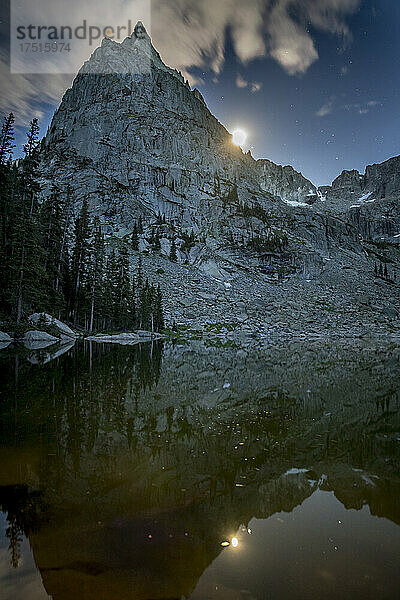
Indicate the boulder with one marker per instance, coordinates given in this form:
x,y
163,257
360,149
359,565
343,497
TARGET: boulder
x,y
35,335
36,340
63,328
4,337
148,335
125,339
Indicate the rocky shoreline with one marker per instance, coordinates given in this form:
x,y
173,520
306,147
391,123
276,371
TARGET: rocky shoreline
x,y
59,333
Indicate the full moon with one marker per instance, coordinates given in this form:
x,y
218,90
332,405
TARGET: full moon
x,y
239,137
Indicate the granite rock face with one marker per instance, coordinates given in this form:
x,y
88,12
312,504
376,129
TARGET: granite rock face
x,y
379,182
285,183
134,139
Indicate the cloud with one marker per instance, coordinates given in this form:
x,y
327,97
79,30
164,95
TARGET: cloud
x,y
191,34
362,108
254,86
290,44
24,94
326,108
278,28
240,82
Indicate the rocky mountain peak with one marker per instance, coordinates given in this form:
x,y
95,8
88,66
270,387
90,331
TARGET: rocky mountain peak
x,y
348,179
140,30
133,57
145,113
134,140
377,189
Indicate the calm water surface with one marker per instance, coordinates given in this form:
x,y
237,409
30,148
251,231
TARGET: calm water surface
x,y
161,472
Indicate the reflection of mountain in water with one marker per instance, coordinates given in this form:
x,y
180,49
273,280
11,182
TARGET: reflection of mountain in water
x,y
130,469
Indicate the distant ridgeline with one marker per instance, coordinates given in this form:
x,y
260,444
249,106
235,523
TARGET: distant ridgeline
x,y
56,261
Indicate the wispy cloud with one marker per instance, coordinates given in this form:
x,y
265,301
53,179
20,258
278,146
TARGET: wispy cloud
x,y
253,86
326,108
362,108
240,82
24,94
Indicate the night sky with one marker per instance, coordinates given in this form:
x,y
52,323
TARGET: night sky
x,y
342,112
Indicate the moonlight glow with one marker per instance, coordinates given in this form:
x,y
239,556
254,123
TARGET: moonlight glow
x,y
239,137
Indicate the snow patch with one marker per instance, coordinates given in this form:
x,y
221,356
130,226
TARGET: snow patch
x,y
295,203
295,471
365,197
367,480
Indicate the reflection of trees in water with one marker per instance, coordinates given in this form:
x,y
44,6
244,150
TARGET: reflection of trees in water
x,y
62,406
93,411
70,397
25,511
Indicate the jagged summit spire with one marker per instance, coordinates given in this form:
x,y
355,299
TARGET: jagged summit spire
x,y
140,30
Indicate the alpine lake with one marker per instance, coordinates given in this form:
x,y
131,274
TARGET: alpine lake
x,y
171,471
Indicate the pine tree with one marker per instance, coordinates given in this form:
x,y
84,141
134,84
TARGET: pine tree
x,y
376,270
7,139
63,256
158,311
132,305
32,140
108,296
146,299
155,240
140,274
30,164
96,272
8,192
52,224
135,238
80,256
173,253
14,534
28,263
123,290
